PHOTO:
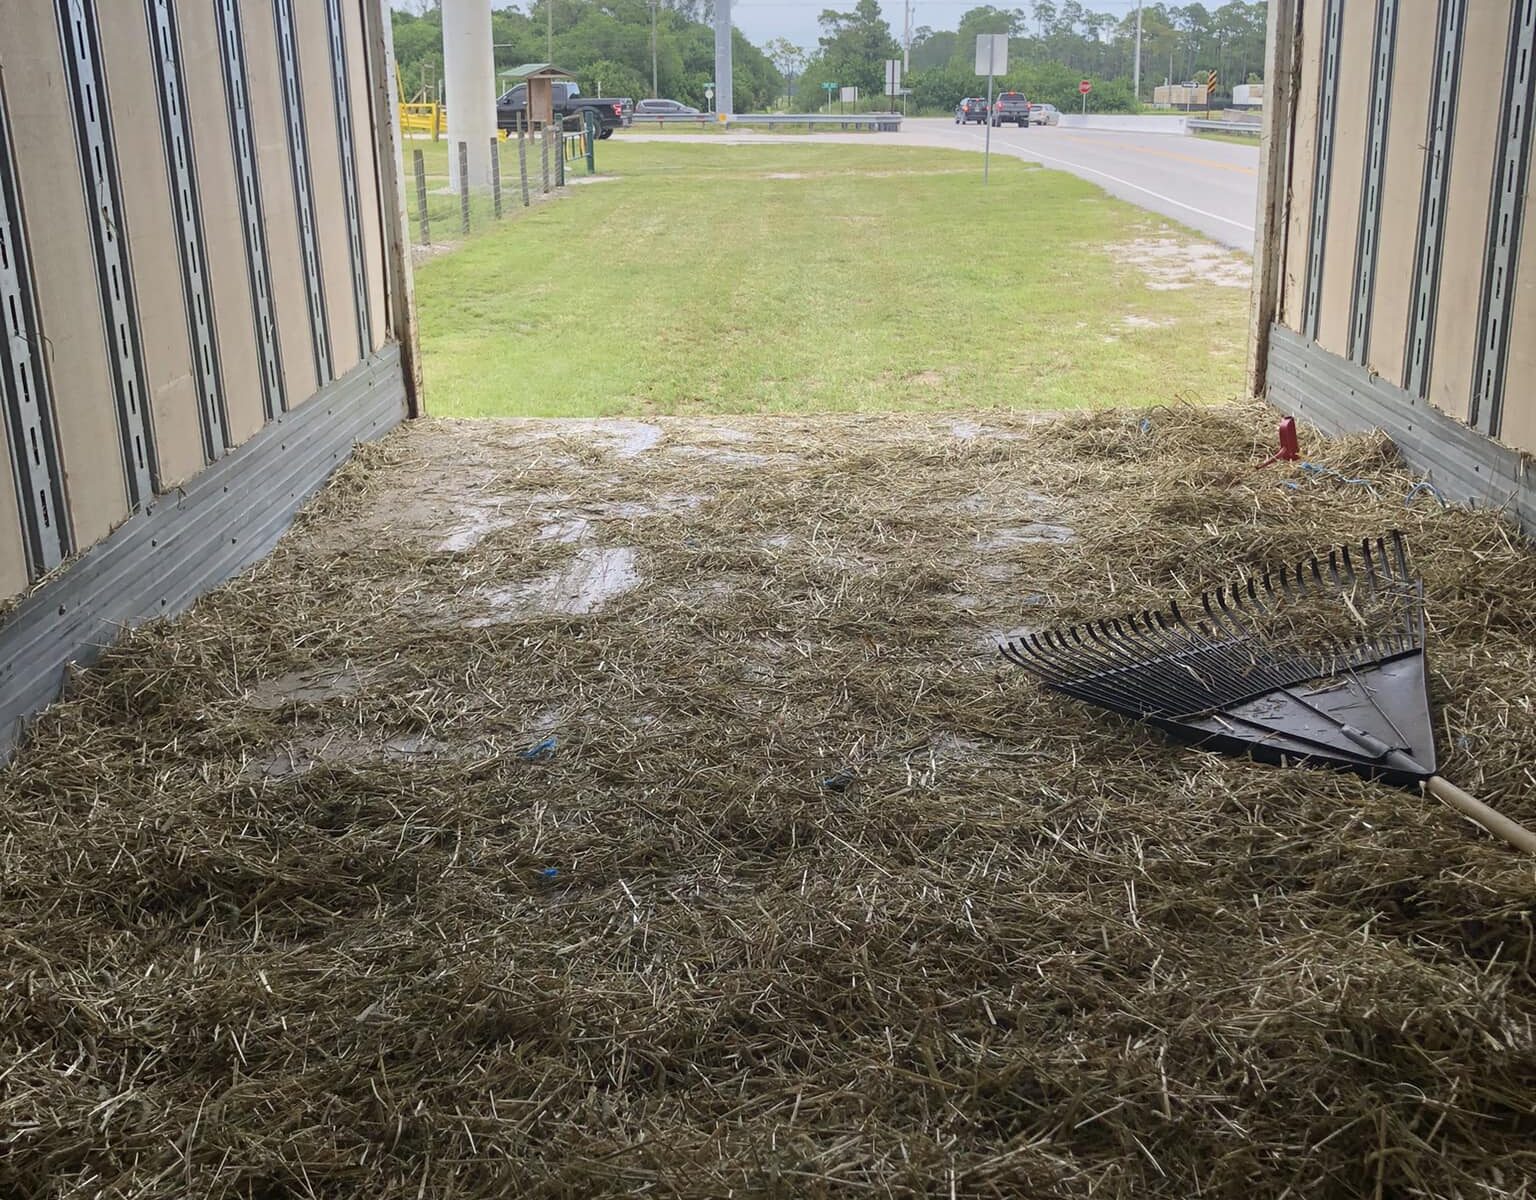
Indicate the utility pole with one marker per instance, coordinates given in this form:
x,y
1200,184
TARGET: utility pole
x,y
654,92
549,16
906,42
1136,70
725,100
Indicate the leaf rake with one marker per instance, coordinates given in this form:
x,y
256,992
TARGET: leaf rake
x,y
1320,665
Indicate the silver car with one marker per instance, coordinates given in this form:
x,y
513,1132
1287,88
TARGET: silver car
x,y
1044,114
663,108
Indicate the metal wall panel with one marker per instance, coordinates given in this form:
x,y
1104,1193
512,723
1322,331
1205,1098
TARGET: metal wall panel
x,y
1519,428
332,224
1303,164
1457,338
285,254
223,239
1350,131
65,269
169,381
1402,184
370,197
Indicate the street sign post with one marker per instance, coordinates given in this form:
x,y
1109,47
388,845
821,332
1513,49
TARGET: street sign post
x,y
1083,88
991,61
893,77
829,88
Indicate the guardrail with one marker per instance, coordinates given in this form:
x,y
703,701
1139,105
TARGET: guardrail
x,y
1247,128
880,122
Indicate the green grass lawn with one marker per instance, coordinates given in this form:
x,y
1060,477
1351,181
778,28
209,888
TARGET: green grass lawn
x,y
771,277
1237,139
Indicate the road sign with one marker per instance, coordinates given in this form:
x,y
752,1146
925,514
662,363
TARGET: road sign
x,y
830,87
991,54
848,94
1212,81
893,77
1084,87
709,92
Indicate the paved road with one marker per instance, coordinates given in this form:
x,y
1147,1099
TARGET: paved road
x,y
1210,186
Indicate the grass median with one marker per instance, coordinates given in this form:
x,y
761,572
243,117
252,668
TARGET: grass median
x,y
789,277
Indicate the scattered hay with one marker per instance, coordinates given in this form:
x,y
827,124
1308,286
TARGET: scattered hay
x,y
764,878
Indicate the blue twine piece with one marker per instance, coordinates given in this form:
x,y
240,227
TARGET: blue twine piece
x,y
1424,486
839,782
540,750
1318,471
550,872
1146,425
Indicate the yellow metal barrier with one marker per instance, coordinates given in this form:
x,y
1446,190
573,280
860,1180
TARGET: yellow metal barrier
x,y
423,118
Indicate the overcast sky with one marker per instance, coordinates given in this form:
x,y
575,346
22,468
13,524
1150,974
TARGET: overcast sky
x,y
796,19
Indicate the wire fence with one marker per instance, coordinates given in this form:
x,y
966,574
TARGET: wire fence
x,y
526,166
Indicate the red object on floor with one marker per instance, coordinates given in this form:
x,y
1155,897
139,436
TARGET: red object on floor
x,y
1290,448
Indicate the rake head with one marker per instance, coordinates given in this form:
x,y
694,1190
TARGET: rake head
x,y
1319,663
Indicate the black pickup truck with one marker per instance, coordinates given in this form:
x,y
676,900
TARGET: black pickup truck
x,y
1010,108
611,112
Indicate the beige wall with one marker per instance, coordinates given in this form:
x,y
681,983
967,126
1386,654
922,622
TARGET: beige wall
x,y
229,282
1519,425
63,261
1475,147
1351,134
152,239
1402,188
64,269
1298,234
368,198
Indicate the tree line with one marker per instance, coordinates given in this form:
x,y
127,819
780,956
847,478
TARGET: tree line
x,y
1051,45
1050,48
605,43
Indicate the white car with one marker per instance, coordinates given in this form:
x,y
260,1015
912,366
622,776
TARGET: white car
x,y
1044,114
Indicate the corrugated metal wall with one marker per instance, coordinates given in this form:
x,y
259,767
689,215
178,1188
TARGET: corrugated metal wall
x,y
192,242
1405,241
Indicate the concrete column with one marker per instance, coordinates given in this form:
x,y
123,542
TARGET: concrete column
x,y
725,100
469,87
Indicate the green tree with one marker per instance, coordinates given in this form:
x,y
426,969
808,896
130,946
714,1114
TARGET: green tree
x,y
855,45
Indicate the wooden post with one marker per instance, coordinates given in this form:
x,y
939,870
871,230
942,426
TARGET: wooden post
x,y
400,285
1282,69
522,156
544,157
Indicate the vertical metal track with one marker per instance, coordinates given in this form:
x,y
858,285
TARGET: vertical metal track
x,y
304,202
104,203
28,408
253,223
165,48
463,170
1504,221
1437,182
1370,198
1323,168
343,95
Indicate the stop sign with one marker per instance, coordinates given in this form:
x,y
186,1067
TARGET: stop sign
x,y
1084,87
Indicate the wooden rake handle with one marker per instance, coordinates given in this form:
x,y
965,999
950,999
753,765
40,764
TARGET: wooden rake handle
x,y
1496,823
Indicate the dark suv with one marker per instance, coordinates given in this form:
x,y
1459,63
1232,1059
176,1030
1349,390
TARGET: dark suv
x,y
971,109
1010,108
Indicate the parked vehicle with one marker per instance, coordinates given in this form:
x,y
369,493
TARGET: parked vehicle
x,y
1044,114
664,108
971,110
611,112
1010,108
